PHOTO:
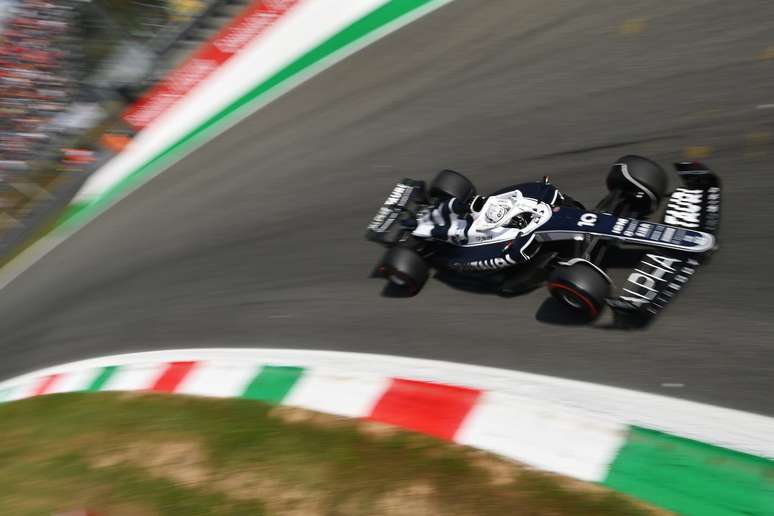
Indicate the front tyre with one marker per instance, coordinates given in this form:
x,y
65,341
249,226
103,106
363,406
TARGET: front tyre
x,y
405,270
643,180
580,287
449,183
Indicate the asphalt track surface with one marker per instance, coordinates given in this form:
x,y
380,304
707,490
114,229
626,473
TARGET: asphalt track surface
x,y
256,240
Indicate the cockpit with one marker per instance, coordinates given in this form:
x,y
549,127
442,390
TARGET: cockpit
x,y
511,210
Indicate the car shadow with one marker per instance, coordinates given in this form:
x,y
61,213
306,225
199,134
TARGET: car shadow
x,y
551,311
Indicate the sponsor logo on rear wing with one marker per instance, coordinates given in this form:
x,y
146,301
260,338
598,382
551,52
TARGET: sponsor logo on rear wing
x,y
402,198
657,278
393,205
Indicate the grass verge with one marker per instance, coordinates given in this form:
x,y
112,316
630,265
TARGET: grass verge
x,y
149,454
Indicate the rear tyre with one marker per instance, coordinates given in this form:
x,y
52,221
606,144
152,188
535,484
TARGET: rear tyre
x,y
580,287
405,270
643,180
449,183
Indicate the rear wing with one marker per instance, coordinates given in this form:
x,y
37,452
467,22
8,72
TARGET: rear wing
x,y
385,227
658,277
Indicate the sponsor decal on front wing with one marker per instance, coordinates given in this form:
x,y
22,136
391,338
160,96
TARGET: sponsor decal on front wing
x,y
685,208
656,280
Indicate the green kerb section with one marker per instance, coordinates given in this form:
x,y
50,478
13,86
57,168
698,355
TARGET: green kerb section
x,y
79,213
273,383
102,378
691,477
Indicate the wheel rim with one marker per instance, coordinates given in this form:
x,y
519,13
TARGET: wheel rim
x,y
571,300
394,278
401,280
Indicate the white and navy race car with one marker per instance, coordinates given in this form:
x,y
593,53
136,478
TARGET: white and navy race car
x,y
530,234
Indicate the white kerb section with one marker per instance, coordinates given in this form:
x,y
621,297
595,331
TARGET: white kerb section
x,y
220,380
135,377
337,392
303,27
564,441
75,381
19,391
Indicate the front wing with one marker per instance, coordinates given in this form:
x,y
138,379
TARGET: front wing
x,y
660,275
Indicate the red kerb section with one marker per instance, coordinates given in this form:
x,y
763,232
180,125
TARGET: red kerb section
x,y
430,408
172,376
45,385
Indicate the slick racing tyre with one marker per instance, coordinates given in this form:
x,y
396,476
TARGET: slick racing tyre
x,y
641,178
581,287
449,183
405,270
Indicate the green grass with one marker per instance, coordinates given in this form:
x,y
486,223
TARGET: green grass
x,y
143,454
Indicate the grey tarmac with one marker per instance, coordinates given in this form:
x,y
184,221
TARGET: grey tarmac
x,y
257,239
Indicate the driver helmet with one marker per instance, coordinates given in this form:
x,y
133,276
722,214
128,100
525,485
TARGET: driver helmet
x,y
496,212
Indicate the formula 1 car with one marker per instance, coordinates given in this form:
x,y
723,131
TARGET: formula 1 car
x,y
530,234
